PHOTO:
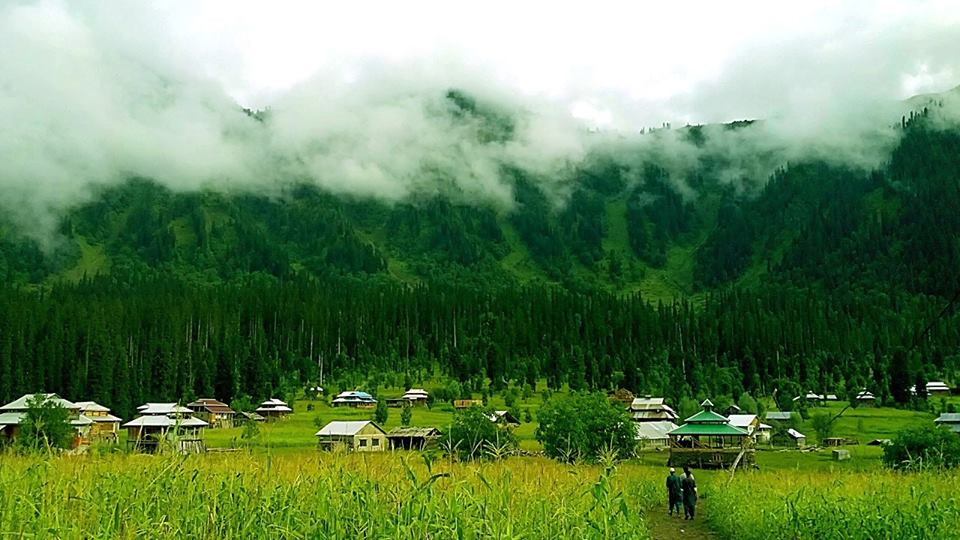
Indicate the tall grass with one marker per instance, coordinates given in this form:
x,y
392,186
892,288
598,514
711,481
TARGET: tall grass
x,y
848,505
315,496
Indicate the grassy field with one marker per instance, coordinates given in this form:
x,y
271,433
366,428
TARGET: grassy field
x,y
317,495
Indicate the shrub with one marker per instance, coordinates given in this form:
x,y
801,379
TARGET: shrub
x,y
922,447
406,415
582,426
472,435
822,423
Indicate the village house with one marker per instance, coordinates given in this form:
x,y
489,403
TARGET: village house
x,y
243,416
357,399
12,415
789,438
358,436
213,412
273,409
866,398
654,435
733,409
650,409
504,418
707,440
950,421
811,398
105,426
934,388
467,403
779,416
413,438
412,397
162,425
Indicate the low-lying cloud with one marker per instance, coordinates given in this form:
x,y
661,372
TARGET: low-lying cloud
x,y
90,97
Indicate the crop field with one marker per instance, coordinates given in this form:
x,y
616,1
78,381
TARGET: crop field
x,y
314,495
835,505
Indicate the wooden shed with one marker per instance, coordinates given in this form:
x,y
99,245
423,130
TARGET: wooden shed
x,y
154,432
216,413
413,438
358,436
274,409
105,426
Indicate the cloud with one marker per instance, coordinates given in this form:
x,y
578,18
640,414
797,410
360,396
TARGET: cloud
x,y
92,95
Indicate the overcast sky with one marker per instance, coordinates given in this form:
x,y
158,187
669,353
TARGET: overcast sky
x,y
93,92
616,62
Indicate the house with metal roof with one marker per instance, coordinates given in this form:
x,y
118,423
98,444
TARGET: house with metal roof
x,y
104,425
950,421
707,440
654,435
354,398
811,398
216,413
778,416
934,388
866,398
273,408
413,438
166,426
13,414
789,438
504,418
412,397
651,409
356,436
747,422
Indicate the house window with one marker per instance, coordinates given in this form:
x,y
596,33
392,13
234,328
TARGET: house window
x,y
363,443
376,442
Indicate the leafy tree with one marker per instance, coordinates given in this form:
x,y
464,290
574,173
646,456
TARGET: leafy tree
x,y
527,415
381,413
582,425
747,404
242,403
922,447
822,424
688,407
406,415
472,435
45,425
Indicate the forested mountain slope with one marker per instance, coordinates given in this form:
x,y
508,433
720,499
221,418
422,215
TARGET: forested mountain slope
x,y
822,277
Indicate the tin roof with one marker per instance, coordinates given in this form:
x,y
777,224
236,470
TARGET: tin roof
x,y
163,409
165,421
90,406
20,404
707,417
948,418
742,420
339,428
708,429
211,405
273,402
779,416
654,430
795,434
11,418
414,432
275,408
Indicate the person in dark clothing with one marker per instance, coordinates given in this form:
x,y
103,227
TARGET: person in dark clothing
x,y
689,494
674,491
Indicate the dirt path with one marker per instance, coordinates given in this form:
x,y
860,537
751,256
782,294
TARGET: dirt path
x,y
664,527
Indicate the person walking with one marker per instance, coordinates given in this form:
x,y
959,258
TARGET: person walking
x,y
674,491
689,494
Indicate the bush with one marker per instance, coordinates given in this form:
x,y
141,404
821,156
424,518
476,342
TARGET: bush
x,y
582,426
822,423
923,447
473,436
406,415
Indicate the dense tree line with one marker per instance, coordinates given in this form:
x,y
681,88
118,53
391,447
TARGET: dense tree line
x,y
159,339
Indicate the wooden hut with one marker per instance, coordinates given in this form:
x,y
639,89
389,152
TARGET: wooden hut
x,y
274,409
361,436
949,421
651,409
105,426
411,398
467,403
413,438
654,435
504,418
708,440
356,399
866,398
12,415
166,425
790,438
213,412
